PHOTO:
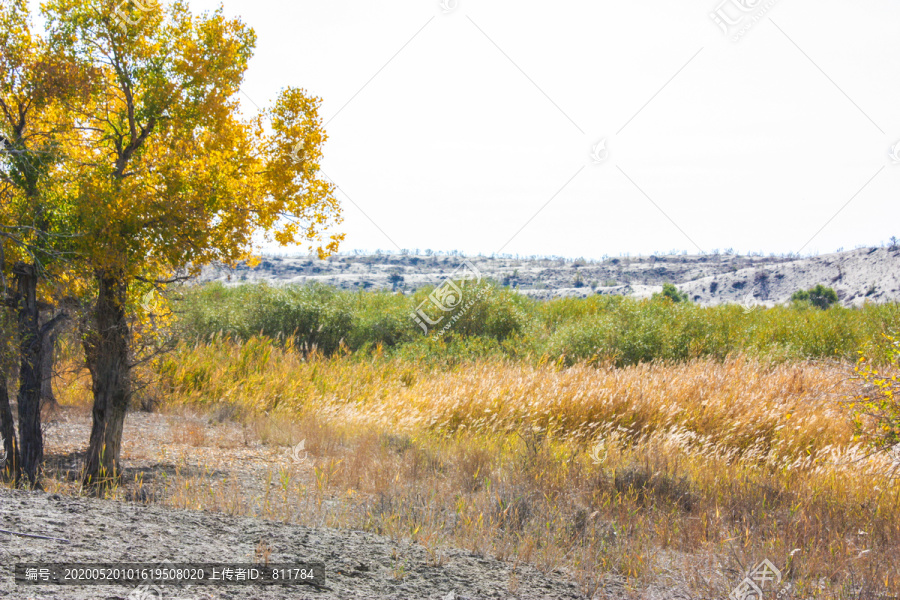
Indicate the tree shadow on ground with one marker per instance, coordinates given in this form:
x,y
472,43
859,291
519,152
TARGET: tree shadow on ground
x,y
142,481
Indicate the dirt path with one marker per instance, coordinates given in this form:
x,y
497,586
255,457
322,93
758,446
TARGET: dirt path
x,y
358,564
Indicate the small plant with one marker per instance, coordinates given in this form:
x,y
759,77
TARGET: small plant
x,y
579,281
262,553
820,296
399,566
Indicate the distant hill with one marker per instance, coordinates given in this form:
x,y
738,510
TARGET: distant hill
x,y
865,274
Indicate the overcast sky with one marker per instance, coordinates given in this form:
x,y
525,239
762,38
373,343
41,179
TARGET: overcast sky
x,y
471,126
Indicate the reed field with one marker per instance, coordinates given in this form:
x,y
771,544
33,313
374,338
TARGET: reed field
x,y
656,442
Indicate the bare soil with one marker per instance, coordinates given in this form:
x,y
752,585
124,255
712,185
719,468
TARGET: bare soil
x,y
358,564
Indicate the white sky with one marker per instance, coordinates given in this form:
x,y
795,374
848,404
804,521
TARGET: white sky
x,y
452,131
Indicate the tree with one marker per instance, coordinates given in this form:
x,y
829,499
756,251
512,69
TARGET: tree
x,y
672,293
169,177
820,296
34,85
9,453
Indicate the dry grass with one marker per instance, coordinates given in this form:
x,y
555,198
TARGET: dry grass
x,y
191,433
742,404
679,473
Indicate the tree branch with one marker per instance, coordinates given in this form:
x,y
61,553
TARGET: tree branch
x,y
47,327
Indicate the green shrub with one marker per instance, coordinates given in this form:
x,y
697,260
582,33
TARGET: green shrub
x,y
502,322
314,316
486,311
820,296
672,293
380,318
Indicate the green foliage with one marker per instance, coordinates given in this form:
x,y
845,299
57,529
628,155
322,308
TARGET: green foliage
x,y
494,313
499,322
820,296
313,316
379,319
672,293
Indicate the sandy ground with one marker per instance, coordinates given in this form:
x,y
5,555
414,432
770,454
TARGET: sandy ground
x,y
860,275
358,564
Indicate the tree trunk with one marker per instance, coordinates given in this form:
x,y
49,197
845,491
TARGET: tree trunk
x,y
29,399
48,345
106,349
10,465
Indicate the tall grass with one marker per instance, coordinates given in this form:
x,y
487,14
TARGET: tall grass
x,y
502,323
643,471
778,411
